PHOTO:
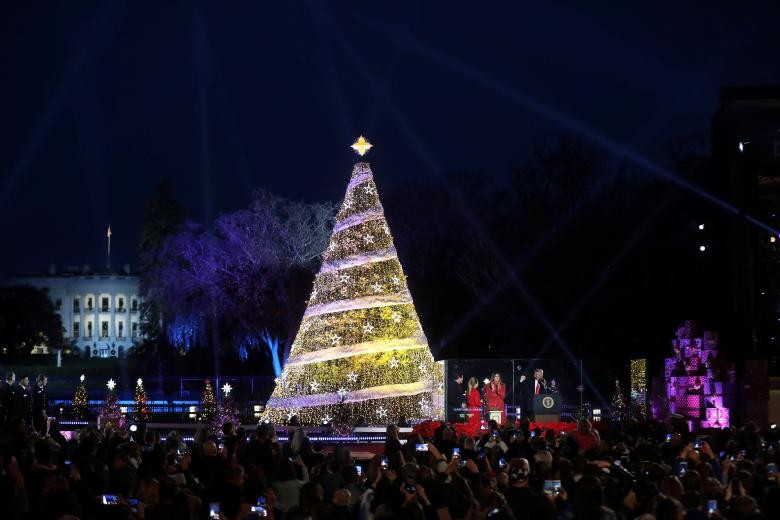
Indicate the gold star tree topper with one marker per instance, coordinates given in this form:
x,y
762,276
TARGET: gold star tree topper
x,y
361,146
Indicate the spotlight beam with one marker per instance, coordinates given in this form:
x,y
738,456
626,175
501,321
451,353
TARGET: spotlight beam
x,y
527,102
432,165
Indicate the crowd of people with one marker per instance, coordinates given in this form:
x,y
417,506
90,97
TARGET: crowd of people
x,y
625,471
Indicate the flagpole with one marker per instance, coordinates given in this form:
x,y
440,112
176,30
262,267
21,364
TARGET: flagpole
x,y
108,256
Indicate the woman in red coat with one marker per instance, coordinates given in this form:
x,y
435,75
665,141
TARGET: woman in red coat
x,y
474,403
495,393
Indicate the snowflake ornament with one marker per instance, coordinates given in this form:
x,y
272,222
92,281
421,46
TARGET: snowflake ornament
x,y
314,385
335,340
368,328
423,368
342,393
326,419
381,411
386,229
369,190
344,278
368,239
396,317
376,287
352,377
394,362
395,280
290,415
226,389
111,384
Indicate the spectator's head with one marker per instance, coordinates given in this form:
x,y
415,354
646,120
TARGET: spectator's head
x,y
519,469
392,431
285,470
584,427
234,474
588,498
24,381
227,428
691,500
672,487
342,498
209,449
262,431
42,379
669,508
10,378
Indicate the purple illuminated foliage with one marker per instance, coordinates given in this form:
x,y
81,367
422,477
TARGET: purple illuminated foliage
x,y
248,276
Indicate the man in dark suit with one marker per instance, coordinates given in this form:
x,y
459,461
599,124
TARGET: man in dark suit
x,y
40,404
23,398
534,386
7,399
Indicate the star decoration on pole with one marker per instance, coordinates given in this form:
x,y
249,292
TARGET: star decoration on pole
x,y
352,377
111,384
361,146
140,382
81,378
226,388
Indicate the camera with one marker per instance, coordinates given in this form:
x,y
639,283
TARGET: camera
x,y
552,487
422,447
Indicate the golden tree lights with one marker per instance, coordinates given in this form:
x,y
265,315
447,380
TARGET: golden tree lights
x,y
360,350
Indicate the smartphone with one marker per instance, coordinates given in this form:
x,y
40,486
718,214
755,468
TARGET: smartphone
x,y
257,512
771,468
461,463
411,488
668,437
697,444
132,502
533,433
214,510
66,462
261,501
482,454
682,468
712,506
384,464
494,434
181,451
455,453
221,446
552,487
359,470
502,462
563,433
618,462
109,500
422,447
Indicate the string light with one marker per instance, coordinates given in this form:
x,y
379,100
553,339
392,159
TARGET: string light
x,y
360,344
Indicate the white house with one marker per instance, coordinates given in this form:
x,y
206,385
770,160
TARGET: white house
x,y
100,311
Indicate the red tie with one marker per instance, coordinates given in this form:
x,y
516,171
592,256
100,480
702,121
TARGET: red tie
x,y
538,388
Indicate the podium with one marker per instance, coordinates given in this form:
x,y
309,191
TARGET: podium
x,y
547,408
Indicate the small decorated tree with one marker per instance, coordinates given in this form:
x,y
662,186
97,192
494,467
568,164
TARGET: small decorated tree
x,y
80,400
226,411
142,412
618,403
111,413
208,410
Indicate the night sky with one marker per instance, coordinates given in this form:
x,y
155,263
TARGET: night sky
x,y
101,100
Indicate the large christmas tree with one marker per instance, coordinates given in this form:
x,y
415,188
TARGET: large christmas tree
x,y
360,351
141,408
111,412
80,408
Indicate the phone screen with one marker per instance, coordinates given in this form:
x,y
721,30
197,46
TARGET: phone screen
x,y
109,499
411,488
422,447
359,470
771,468
259,511
683,467
533,433
552,487
618,462
383,463
502,462
214,510
668,437
455,453
712,506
